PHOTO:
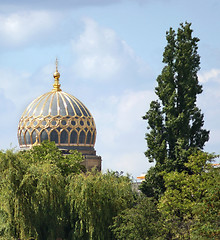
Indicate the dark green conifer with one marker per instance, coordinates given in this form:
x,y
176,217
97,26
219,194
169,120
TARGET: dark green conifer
x,y
175,123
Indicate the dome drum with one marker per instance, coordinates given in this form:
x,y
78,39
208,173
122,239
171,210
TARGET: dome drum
x,y
63,130
62,138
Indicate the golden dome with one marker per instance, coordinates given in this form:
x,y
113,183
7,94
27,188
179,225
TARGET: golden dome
x,y
60,117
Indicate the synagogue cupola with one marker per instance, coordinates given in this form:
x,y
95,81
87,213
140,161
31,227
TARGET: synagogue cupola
x,y
60,117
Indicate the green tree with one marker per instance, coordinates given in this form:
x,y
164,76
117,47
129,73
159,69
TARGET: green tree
x,y
139,222
45,195
174,120
33,192
97,198
190,205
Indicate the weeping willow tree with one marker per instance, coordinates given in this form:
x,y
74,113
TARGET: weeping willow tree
x,y
45,195
33,192
97,198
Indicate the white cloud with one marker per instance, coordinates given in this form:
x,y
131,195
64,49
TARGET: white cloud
x,y
103,56
22,87
208,76
209,102
19,28
210,97
131,108
123,115
121,131
118,76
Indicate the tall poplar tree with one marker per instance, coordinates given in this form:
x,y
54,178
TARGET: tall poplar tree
x,y
175,123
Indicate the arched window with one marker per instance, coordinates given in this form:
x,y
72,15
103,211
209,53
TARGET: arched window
x,y
64,137
22,137
27,137
33,137
54,136
43,136
93,138
73,137
82,137
88,139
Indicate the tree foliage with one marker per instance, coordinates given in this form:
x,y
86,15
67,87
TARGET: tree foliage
x,y
97,198
33,191
139,222
189,208
174,120
190,205
46,195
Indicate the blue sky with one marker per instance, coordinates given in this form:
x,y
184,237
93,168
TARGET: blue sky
x,y
110,54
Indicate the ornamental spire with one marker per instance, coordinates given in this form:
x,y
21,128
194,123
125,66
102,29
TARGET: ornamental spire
x,y
56,75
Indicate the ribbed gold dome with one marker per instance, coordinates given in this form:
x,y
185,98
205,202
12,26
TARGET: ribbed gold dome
x,y
57,116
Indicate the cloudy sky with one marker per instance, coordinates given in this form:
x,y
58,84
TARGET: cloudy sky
x,y
110,53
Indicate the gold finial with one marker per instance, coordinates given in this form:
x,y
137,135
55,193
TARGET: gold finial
x,y
56,75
